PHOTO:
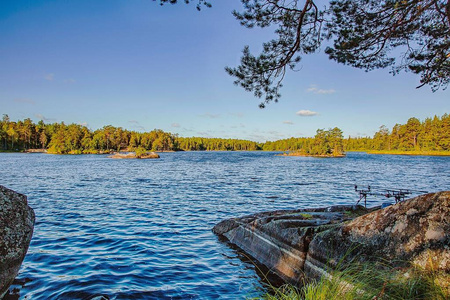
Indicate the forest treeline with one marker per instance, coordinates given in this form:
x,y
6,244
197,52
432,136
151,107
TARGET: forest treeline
x,y
60,138
433,134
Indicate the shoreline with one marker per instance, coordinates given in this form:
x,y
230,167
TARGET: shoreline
x,y
407,153
371,152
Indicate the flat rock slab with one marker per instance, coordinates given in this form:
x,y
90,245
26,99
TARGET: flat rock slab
x,y
16,229
308,242
280,239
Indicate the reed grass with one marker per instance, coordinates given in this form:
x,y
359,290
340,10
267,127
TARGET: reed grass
x,y
367,281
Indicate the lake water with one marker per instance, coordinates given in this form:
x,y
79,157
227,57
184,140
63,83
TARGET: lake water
x,y
141,229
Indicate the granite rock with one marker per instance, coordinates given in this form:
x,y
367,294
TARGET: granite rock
x,y
16,229
412,232
280,240
308,242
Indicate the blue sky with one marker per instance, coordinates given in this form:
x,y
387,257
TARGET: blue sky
x,y
140,66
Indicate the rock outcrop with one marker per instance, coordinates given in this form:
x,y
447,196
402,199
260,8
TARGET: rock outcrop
x,y
280,240
133,155
295,243
16,229
415,231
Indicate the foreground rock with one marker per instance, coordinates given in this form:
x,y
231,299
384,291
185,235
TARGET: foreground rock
x,y
133,155
280,240
415,231
16,229
296,243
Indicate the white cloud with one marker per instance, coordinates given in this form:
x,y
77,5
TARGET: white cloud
x,y
176,125
206,134
306,113
316,90
49,76
263,136
237,126
69,81
43,118
276,133
237,115
257,137
137,125
288,122
24,100
209,115
84,124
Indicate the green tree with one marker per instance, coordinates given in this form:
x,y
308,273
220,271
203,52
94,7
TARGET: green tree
x,y
381,139
335,138
4,125
413,128
444,133
13,135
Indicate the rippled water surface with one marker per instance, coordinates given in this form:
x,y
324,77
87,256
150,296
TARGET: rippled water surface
x,y
141,229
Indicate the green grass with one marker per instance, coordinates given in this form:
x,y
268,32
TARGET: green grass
x,y
368,282
306,216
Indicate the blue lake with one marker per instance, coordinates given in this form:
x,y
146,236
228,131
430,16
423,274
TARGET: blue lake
x,y
141,229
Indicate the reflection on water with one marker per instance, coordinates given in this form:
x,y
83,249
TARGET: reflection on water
x,y
125,229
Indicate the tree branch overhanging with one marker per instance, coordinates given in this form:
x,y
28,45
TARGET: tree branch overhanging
x,y
363,33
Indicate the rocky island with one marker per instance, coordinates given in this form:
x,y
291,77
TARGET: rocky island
x,y
302,154
131,155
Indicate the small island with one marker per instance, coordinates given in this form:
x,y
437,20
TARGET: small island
x,y
309,155
139,153
325,144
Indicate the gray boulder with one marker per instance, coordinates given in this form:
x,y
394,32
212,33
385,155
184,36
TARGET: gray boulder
x,y
16,229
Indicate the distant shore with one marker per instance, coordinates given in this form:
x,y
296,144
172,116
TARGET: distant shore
x,y
412,153
375,152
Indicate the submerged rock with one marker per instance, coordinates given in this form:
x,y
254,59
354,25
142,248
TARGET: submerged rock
x,y
16,229
295,243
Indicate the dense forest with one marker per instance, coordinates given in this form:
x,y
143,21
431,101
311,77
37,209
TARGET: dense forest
x,y
60,138
433,134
